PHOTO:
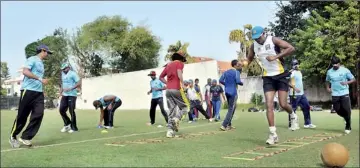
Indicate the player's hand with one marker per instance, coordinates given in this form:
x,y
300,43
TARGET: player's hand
x,y
343,83
66,90
148,92
271,58
109,107
329,90
44,81
297,90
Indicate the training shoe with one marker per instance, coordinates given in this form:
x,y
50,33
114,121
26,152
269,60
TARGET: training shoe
x,y
108,127
230,127
211,120
14,142
310,126
71,131
159,126
65,129
170,133
347,131
222,128
273,138
190,122
25,142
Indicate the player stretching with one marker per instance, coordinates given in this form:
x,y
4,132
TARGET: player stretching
x,y
230,79
70,81
175,98
195,103
156,88
275,78
108,104
298,97
340,78
31,99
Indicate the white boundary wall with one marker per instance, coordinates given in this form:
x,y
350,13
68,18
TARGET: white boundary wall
x,y
132,87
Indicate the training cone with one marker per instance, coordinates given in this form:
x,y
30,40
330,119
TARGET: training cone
x,y
104,131
334,155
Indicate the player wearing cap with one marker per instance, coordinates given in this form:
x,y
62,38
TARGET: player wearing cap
x,y
107,104
340,77
174,91
195,102
156,88
298,97
31,99
70,83
275,79
215,92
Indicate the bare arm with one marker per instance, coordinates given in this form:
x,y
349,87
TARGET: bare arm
x,y
250,56
327,84
29,74
287,48
180,75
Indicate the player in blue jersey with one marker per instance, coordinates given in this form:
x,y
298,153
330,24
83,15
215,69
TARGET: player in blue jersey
x,y
107,104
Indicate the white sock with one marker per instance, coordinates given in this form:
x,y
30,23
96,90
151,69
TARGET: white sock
x,y
272,130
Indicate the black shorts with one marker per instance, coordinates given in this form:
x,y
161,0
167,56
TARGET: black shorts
x,y
276,83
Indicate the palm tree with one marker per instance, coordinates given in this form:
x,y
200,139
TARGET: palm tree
x,y
178,46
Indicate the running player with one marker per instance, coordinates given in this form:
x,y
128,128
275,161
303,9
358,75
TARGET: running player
x,y
208,99
31,99
195,102
298,97
174,91
275,78
107,104
70,82
156,88
340,77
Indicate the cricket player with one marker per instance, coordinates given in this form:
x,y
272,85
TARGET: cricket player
x,y
31,99
270,52
195,102
215,92
208,99
340,77
70,83
231,79
298,97
156,88
174,91
107,104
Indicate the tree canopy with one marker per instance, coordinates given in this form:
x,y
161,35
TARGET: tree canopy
x,y
178,46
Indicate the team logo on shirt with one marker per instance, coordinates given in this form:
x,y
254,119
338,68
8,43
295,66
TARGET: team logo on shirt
x,y
267,47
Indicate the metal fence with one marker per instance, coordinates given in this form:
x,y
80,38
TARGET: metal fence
x,y
9,102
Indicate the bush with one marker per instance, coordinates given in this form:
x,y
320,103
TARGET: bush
x,y
256,99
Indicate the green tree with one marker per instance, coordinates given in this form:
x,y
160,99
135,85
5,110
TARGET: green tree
x,y
4,71
57,43
178,46
323,37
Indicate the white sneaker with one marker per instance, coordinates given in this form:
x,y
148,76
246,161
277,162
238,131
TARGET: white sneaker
x,y
159,126
170,133
14,142
65,129
294,122
273,138
71,131
211,119
190,122
347,131
310,126
25,142
108,127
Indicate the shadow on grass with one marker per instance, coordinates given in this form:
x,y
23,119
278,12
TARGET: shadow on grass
x,y
328,130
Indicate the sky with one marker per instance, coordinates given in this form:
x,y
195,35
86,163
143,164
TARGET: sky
x,y
204,24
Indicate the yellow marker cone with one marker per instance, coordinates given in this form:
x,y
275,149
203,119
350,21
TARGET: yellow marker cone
x,y
104,131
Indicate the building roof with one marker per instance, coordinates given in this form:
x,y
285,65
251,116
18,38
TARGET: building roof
x,y
222,65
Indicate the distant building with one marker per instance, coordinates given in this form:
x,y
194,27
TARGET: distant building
x,y
13,85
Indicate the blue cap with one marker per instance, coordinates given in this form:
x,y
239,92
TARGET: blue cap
x,y
43,47
214,81
64,65
256,32
190,81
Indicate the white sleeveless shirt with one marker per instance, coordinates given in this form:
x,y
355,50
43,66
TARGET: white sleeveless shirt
x,y
268,49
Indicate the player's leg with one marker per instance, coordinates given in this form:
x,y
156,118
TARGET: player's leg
x,y
294,101
346,111
24,109
162,109
305,107
106,118
234,109
191,112
153,105
112,113
172,113
64,105
200,108
72,106
231,106
183,107
37,114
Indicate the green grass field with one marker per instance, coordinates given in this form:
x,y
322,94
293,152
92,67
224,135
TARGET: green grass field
x,y
87,148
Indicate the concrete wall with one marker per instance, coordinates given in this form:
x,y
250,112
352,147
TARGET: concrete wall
x,y
132,87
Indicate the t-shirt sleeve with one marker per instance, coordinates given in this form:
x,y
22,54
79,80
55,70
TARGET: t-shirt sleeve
x,y
179,65
349,75
29,63
76,77
163,73
221,90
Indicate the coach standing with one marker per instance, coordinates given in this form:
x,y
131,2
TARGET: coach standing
x,y
31,99
70,81
156,88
